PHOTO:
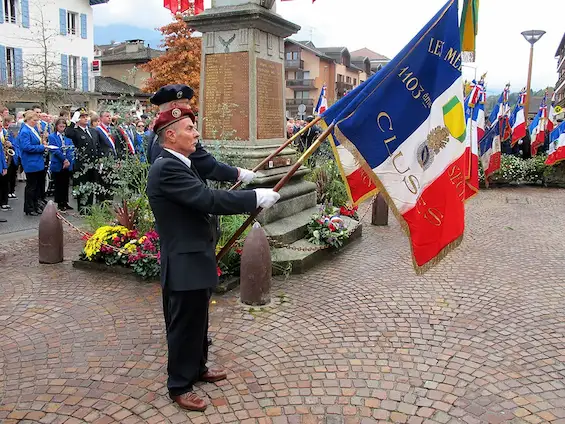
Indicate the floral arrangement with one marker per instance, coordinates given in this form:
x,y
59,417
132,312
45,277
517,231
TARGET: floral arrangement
x,y
116,245
327,228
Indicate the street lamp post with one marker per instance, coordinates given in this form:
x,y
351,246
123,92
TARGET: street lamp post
x,y
531,37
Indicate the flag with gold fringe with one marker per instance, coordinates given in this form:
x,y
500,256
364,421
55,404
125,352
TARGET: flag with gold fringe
x,y
404,131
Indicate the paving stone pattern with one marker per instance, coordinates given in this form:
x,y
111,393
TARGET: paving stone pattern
x,y
359,339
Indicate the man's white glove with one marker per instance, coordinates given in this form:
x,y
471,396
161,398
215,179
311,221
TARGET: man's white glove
x,y
245,175
266,197
75,117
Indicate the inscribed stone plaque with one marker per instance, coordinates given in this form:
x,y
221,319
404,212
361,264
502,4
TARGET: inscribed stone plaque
x,y
270,108
226,96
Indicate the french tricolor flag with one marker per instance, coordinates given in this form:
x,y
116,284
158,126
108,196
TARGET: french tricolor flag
x,y
518,119
475,120
322,101
538,127
556,145
490,151
551,119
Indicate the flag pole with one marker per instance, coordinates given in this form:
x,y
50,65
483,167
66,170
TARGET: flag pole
x,y
280,148
277,187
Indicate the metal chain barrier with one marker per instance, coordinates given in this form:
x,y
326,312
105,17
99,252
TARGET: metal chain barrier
x,y
238,244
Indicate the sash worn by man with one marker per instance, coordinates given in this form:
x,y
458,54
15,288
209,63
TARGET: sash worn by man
x,y
182,205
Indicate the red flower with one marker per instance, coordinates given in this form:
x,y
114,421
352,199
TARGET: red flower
x,y
219,271
86,237
239,250
331,227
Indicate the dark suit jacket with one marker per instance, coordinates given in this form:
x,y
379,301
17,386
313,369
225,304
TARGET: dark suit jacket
x,y
182,204
86,146
206,164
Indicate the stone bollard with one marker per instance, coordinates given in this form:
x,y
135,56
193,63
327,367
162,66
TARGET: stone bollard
x,y
50,236
380,211
256,268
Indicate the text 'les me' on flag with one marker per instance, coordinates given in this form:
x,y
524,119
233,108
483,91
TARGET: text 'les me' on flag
x,y
406,130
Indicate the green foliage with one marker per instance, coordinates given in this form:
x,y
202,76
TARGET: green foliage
x,y
100,215
330,187
229,224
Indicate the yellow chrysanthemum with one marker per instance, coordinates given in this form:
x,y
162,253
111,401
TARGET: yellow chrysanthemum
x,y
102,235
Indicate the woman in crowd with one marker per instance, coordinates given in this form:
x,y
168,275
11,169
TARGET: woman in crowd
x,y
61,164
140,140
32,151
10,134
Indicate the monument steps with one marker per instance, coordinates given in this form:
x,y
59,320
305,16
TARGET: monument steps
x,y
294,258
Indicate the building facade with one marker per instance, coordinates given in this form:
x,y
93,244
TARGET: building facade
x,y
46,51
122,61
308,68
560,85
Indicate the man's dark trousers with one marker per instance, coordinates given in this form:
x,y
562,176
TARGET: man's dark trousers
x,y
186,319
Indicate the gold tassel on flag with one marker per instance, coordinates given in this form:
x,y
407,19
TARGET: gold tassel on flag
x,y
469,27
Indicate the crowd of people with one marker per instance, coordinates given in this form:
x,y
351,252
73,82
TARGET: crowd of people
x,y
49,151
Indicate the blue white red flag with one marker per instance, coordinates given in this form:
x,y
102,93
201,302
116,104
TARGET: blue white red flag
x,y
406,130
538,127
490,151
556,145
475,121
501,114
518,119
551,118
322,104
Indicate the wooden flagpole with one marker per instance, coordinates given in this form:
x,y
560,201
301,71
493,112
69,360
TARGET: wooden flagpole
x,y
281,148
279,185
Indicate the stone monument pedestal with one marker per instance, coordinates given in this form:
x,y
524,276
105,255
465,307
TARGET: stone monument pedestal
x,y
242,86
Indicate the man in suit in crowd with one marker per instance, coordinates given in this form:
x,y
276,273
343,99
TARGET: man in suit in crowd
x,y
86,141
182,204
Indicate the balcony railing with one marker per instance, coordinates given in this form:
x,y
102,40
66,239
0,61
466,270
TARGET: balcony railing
x,y
307,84
560,81
294,64
296,102
342,86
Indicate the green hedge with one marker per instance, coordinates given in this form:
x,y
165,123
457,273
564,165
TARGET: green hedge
x,y
514,170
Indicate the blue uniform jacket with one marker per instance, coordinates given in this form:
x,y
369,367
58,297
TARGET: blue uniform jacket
x,y
58,156
139,144
3,164
8,135
31,150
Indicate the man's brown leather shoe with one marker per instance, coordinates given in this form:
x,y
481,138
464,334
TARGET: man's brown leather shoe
x,y
211,376
190,401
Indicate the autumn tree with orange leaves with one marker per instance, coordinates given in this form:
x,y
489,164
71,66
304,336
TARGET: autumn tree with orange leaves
x,y
180,64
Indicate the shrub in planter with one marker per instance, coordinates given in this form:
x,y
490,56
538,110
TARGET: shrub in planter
x,y
534,169
512,169
329,185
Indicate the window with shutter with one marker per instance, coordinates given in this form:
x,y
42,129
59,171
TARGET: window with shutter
x,y
10,11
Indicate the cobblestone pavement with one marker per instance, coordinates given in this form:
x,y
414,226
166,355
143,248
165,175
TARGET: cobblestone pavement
x,y
359,339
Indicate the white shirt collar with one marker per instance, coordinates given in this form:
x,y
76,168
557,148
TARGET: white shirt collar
x,y
184,159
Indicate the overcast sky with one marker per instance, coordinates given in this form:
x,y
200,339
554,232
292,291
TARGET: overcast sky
x,y
386,26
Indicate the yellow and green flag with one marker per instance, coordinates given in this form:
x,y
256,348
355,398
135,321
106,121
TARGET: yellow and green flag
x,y
469,26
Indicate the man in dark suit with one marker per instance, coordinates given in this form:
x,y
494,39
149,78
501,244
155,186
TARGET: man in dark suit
x,y
86,142
182,205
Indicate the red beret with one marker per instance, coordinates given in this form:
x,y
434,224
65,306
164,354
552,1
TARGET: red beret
x,y
169,117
